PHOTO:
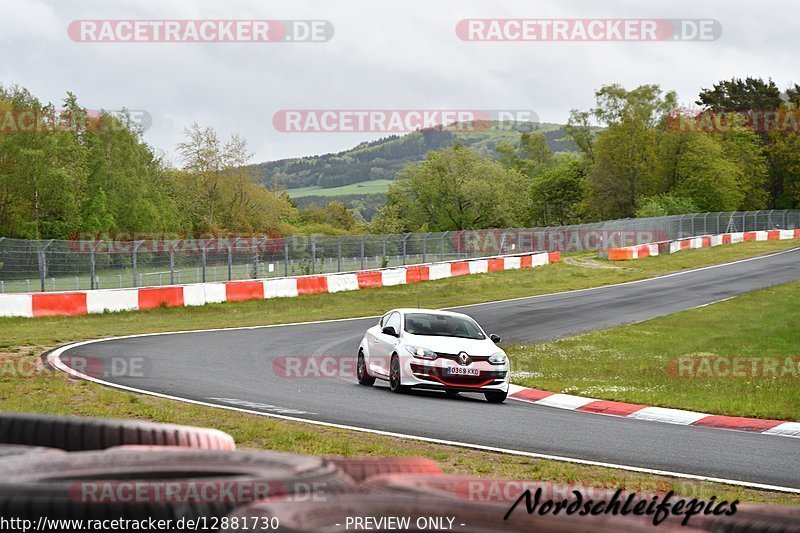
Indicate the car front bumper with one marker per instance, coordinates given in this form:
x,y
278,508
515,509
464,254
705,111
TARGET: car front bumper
x,y
434,375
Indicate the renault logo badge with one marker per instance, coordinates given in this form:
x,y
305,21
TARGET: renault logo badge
x,y
464,359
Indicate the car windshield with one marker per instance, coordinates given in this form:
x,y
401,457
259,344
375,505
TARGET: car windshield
x,y
442,326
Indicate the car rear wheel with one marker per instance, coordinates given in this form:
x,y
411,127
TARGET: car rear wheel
x,y
395,379
361,371
496,396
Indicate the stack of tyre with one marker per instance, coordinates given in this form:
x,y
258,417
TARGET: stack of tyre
x,y
67,468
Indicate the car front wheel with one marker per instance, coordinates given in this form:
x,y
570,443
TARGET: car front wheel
x,y
496,396
395,380
361,371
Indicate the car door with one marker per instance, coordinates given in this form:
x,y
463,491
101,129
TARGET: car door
x,y
383,345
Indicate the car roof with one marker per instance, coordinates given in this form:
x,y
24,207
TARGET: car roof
x,y
407,310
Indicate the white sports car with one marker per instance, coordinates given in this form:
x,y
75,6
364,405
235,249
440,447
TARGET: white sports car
x,y
429,349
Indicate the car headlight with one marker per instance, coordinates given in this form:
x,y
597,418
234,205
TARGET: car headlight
x,y
422,353
498,358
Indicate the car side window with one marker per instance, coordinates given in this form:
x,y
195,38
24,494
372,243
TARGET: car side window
x,y
394,321
383,320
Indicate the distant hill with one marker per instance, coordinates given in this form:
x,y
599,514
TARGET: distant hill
x,y
382,159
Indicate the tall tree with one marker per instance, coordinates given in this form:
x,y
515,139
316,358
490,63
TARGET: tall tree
x,y
224,193
557,193
455,189
741,95
625,168
705,175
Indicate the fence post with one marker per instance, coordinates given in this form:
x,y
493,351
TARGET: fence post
x,y
203,257
136,246
230,258
405,239
286,256
363,243
425,248
339,259
92,263
313,255
384,258
255,257
444,235
43,264
171,263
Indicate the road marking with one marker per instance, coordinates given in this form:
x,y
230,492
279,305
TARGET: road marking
x,y
266,407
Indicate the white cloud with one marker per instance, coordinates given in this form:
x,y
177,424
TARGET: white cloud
x,y
385,54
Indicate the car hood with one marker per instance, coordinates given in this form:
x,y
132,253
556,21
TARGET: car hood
x,y
453,345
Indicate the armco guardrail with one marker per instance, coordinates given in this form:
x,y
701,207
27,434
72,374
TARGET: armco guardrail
x,y
121,260
114,300
703,241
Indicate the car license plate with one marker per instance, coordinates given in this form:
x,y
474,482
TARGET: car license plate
x,y
461,371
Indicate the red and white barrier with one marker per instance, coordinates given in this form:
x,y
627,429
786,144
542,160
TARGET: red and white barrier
x,y
115,300
704,241
652,414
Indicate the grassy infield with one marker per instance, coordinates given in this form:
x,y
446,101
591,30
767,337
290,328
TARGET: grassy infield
x,y
628,363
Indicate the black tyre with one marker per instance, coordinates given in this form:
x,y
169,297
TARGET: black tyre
x,y
173,484
13,450
80,434
395,376
362,373
751,518
362,468
495,396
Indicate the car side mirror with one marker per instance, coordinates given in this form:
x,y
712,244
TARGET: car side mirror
x,y
389,330
495,338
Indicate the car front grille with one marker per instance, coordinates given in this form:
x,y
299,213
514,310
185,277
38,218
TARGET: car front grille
x,y
454,356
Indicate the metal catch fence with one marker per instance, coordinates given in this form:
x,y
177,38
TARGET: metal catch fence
x,y
146,260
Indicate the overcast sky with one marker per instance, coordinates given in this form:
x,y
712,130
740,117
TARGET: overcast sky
x,y
384,55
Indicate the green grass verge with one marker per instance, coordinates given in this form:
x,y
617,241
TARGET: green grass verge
x,y
22,340
661,362
362,187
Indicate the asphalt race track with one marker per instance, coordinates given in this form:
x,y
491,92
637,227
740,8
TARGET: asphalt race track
x,y
229,366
